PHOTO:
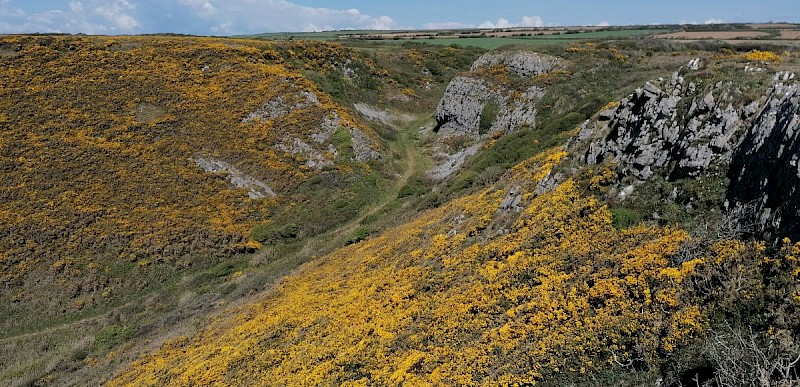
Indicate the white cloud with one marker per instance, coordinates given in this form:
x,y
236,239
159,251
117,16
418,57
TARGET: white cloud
x,y
202,6
254,16
695,22
527,21
88,16
218,17
446,25
603,24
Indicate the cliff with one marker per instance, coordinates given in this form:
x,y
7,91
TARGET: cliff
x,y
678,129
496,97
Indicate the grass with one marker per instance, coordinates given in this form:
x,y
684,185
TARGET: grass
x,y
492,43
317,218
334,207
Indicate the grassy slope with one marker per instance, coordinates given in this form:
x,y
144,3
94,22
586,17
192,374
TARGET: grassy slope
x,y
424,255
103,124
470,294
554,297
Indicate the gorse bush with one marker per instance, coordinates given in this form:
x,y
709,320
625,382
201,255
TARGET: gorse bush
x,y
98,141
563,291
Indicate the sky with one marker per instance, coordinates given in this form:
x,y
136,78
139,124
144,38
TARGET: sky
x,y
238,17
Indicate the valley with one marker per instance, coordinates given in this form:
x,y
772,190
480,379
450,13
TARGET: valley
x,y
608,209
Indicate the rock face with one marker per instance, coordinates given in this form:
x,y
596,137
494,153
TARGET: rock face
x,y
522,63
765,169
646,132
678,131
460,109
459,112
477,106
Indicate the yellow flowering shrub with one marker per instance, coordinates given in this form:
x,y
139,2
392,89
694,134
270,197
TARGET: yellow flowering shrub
x,y
98,136
449,300
761,56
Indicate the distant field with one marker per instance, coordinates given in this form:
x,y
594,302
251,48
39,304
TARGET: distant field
x,y
491,43
324,35
773,26
713,35
790,34
605,34
493,38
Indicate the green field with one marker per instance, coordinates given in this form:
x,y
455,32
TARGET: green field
x,y
492,43
495,42
482,42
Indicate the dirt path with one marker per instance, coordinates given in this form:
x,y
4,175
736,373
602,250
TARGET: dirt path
x,y
405,144
410,169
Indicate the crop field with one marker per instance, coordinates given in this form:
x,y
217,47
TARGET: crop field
x,y
722,35
492,43
790,34
486,39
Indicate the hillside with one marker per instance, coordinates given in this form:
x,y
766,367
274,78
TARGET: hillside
x,y
148,156
198,211
141,174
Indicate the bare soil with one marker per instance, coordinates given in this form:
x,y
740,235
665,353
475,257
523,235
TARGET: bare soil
x,y
790,34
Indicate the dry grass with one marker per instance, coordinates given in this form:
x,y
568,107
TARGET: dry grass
x,y
790,34
713,35
771,26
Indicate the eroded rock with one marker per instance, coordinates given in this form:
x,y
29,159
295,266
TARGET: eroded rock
x,y
256,189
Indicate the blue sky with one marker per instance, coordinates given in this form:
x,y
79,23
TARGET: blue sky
x,y
227,17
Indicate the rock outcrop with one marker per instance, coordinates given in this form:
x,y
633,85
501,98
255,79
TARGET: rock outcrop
x,y
765,169
466,98
478,105
460,109
647,132
312,145
256,189
674,129
522,63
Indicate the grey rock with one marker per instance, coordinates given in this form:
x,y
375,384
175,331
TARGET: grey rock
x,y
757,142
523,63
314,158
512,201
362,146
452,162
256,189
764,169
283,105
645,134
459,111
695,64
460,108
625,192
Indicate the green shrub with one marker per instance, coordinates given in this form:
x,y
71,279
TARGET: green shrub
x,y
488,116
415,187
111,336
273,233
359,235
343,143
622,218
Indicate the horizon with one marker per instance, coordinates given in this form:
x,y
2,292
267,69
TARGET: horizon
x,y
249,17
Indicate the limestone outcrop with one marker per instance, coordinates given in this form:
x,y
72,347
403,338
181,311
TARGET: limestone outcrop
x,y
675,130
479,105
